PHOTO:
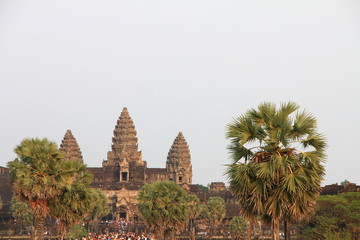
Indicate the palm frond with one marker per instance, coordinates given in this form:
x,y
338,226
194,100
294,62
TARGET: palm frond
x,y
304,124
317,141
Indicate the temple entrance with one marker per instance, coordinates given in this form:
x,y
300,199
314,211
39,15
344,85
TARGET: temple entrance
x,y
124,176
123,215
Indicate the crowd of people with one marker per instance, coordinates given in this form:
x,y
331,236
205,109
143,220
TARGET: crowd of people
x,y
122,231
121,225
118,236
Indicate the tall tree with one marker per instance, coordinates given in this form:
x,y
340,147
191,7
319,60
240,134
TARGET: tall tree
x,y
99,207
163,207
37,176
215,210
75,200
277,166
195,209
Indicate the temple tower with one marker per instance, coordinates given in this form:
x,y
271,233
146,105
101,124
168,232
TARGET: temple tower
x,y
124,150
70,147
178,164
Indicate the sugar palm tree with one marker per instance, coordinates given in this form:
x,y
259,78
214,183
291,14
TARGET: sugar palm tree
x,y
36,177
74,203
99,207
163,207
277,164
215,211
195,209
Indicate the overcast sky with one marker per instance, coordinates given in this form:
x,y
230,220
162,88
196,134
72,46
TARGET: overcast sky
x,y
178,65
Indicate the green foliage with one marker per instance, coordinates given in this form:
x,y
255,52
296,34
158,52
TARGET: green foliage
x,y
75,200
21,212
51,185
164,207
277,165
36,176
345,182
76,232
337,236
99,206
214,211
195,208
238,227
336,216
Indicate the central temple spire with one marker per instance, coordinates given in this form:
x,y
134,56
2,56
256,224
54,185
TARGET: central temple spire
x,y
124,146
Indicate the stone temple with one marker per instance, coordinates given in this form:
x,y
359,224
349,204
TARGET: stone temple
x,y
124,172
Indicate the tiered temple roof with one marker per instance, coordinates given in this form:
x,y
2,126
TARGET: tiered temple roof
x,y
70,147
179,151
178,163
124,142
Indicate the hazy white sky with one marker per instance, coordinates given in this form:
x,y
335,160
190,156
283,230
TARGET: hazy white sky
x,y
178,65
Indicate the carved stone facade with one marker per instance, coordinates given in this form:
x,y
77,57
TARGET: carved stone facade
x,y
124,172
123,203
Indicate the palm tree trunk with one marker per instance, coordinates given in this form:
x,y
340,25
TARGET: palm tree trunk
x,y
165,235
61,230
259,232
21,227
275,229
287,230
33,234
248,230
40,227
211,231
192,233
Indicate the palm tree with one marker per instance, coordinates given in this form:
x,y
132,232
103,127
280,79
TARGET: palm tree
x,y
215,210
36,177
164,208
277,164
75,200
99,207
195,209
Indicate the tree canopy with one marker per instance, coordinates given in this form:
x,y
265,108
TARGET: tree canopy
x,y
214,211
336,215
75,200
238,226
277,167
163,207
37,176
22,214
51,185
